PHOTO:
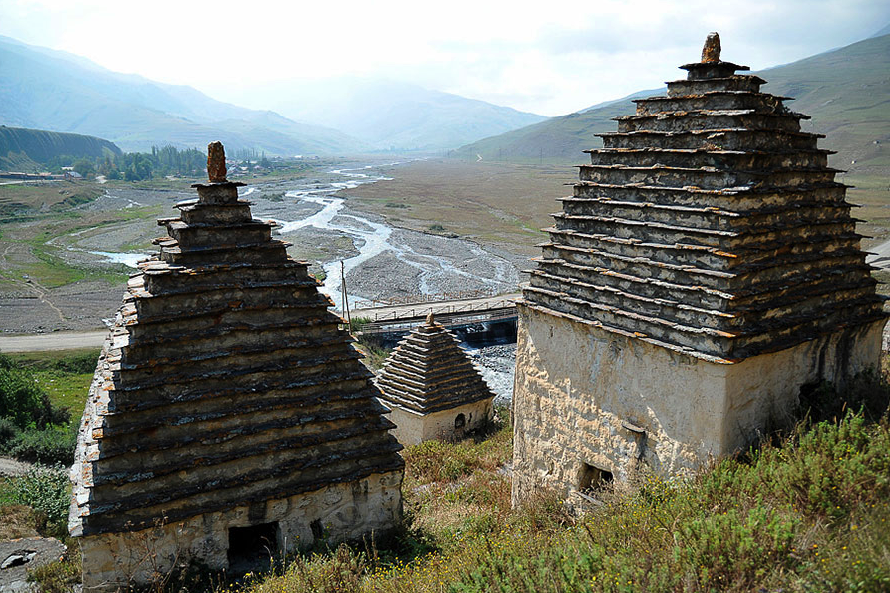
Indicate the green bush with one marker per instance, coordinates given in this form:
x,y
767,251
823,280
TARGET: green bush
x,y
21,398
8,432
731,546
46,490
51,445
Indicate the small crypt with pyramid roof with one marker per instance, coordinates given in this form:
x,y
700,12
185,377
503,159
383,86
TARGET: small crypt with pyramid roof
x,y
704,277
229,413
432,388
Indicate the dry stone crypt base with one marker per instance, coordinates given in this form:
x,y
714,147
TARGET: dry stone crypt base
x,y
413,428
596,400
339,512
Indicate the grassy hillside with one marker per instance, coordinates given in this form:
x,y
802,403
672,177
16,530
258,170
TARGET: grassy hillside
x,y
806,515
41,145
556,139
846,91
41,88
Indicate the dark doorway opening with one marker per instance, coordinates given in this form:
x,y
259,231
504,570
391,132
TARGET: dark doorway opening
x,y
593,477
253,548
460,421
809,396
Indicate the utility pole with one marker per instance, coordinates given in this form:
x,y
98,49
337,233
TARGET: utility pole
x,y
343,297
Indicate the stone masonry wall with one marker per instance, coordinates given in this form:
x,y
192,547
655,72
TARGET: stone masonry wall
x,y
413,428
586,397
343,512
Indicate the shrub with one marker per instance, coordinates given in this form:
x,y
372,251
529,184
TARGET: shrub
x,y
8,432
21,398
356,323
58,577
84,362
46,490
52,445
736,545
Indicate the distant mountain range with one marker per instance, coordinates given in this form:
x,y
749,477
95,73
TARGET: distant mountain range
x,y
387,114
53,90
846,91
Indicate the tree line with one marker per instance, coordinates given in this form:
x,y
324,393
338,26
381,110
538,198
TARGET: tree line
x,y
137,166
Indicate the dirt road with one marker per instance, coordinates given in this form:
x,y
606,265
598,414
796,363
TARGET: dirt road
x,y
53,341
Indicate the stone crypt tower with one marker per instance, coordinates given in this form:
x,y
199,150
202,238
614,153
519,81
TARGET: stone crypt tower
x,y
229,414
702,278
432,389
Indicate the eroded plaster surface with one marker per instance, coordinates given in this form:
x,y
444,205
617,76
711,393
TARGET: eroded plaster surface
x,y
339,512
585,395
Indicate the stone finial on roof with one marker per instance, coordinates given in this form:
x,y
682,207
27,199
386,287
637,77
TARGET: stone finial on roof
x,y
216,162
430,318
711,50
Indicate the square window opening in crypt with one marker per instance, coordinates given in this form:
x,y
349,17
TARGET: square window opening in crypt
x,y
592,477
253,548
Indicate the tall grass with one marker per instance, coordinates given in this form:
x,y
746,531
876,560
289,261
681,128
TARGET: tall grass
x,y
809,512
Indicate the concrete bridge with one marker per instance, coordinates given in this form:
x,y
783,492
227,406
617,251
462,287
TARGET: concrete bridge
x,y
481,317
447,312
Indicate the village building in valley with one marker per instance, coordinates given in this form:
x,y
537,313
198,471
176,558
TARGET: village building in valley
x,y
229,414
702,280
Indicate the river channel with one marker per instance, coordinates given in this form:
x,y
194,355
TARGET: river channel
x,y
388,261
379,261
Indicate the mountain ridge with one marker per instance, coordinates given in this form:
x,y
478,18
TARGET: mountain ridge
x,y
391,114
47,89
26,147
55,90
844,90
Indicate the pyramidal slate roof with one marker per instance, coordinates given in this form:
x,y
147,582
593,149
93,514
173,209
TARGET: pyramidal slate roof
x,y
709,223
224,381
428,372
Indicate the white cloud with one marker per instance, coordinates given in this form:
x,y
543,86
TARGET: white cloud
x,y
549,57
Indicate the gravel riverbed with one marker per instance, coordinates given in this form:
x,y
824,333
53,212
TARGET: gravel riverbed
x,y
382,261
497,364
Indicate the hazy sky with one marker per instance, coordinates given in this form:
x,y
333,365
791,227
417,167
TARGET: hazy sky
x,y
549,57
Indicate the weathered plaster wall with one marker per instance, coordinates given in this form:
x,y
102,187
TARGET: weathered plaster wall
x,y
581,393
342,512
413,428
766,388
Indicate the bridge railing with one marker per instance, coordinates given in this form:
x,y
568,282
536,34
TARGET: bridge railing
x,y
446,319
405,313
